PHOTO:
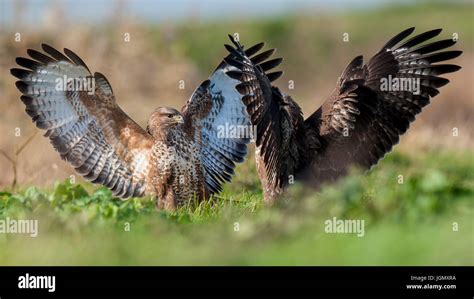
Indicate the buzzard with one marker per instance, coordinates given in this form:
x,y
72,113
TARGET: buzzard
x,y
370,107
183,155
179,156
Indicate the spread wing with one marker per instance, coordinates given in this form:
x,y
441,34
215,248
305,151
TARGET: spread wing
x,y
83,122
374,103
215,116
278,120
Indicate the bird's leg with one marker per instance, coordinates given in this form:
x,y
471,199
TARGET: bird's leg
x,y
271,194
170,201
158,203
167,202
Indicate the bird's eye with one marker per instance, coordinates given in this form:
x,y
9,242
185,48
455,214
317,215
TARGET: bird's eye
x,y
170,115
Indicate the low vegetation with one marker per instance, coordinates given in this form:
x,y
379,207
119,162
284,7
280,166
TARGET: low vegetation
x,y
416,209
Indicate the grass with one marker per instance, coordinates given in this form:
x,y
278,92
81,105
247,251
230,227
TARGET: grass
x,y
405,224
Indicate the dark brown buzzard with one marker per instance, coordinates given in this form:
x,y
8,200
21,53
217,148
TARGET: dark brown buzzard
x,y
357,125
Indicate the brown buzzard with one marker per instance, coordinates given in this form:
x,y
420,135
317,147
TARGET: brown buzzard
x,y
371,106
178,157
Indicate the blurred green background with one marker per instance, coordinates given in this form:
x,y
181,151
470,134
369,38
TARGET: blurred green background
x,y
80,224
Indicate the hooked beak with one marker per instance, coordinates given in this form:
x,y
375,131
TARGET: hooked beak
x,y
178,119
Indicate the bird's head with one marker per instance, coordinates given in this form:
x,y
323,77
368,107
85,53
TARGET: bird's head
x,y
162,120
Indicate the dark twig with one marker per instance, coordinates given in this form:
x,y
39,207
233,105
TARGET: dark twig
x,y
14,160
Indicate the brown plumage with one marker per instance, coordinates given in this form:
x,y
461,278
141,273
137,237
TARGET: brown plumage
x,y
357,125
177,158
